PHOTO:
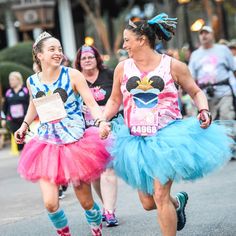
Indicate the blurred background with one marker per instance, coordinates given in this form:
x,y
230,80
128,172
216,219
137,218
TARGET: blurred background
x,y
101,23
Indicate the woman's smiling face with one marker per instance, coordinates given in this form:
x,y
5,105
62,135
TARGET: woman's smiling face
x,y
51,52
88,61
131,42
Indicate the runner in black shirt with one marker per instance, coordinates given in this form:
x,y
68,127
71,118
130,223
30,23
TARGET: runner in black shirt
x,y
100,81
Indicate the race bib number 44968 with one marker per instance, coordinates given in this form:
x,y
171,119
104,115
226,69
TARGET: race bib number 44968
x,y
143,130
143,122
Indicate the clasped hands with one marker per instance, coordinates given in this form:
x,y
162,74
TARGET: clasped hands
x,y
104,129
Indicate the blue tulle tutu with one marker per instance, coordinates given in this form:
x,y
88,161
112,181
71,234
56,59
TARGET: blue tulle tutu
x,y
180,151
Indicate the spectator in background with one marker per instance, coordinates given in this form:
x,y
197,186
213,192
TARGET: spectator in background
x,y
223,42
212,66
232,47
100,81
15,104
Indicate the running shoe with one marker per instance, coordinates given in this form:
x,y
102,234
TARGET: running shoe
x,y
182,198
61,194
110,219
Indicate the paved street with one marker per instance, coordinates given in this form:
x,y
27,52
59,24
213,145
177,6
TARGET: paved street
x,y
211,210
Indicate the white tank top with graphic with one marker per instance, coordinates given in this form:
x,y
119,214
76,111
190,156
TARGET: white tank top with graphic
x,y
150,98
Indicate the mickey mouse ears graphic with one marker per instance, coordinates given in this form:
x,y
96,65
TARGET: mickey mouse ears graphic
x,y
155,82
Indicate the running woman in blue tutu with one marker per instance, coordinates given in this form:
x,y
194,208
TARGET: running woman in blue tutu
x,y
153,145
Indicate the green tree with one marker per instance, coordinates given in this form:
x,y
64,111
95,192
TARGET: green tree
x,y
20,54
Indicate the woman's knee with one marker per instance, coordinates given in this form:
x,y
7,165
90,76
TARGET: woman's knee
x,y
86,204
161,194
51,206
147,202
148,205
84,195
161,198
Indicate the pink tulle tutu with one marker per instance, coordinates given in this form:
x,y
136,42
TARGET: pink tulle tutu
x,y
83,160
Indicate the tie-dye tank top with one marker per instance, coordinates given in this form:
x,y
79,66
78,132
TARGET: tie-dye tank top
x,y
70,128
150,98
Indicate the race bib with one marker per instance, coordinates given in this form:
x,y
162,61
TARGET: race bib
x,y
17,111
143,122
50,108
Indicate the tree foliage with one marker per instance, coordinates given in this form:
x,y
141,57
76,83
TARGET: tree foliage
x,y
20,54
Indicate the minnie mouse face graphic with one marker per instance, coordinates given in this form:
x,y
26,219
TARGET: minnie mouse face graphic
x,y
62,93
145,91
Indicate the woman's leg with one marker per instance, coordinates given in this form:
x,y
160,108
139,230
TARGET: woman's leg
x,y
167,217
108,182
109,189
163,202
92,211
51,203
149,203
97,187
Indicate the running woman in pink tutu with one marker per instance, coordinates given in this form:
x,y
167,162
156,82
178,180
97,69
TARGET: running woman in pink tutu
x,y
62,152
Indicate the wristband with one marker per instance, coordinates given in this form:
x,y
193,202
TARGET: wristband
x,y
202,116
97,122
27,125
204,109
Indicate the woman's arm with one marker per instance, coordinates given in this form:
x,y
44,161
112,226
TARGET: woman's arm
x,y
114,102
182,76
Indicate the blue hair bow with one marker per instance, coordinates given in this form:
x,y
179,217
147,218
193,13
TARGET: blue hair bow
x,y
166,24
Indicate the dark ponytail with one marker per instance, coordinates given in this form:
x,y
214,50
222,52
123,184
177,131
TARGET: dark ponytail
x,y
160,26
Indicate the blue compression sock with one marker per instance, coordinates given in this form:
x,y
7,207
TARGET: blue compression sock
x,y
94,215
58,219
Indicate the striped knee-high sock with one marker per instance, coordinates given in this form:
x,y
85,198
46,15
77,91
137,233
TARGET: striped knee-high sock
x,y
59,220
94,218
94,215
